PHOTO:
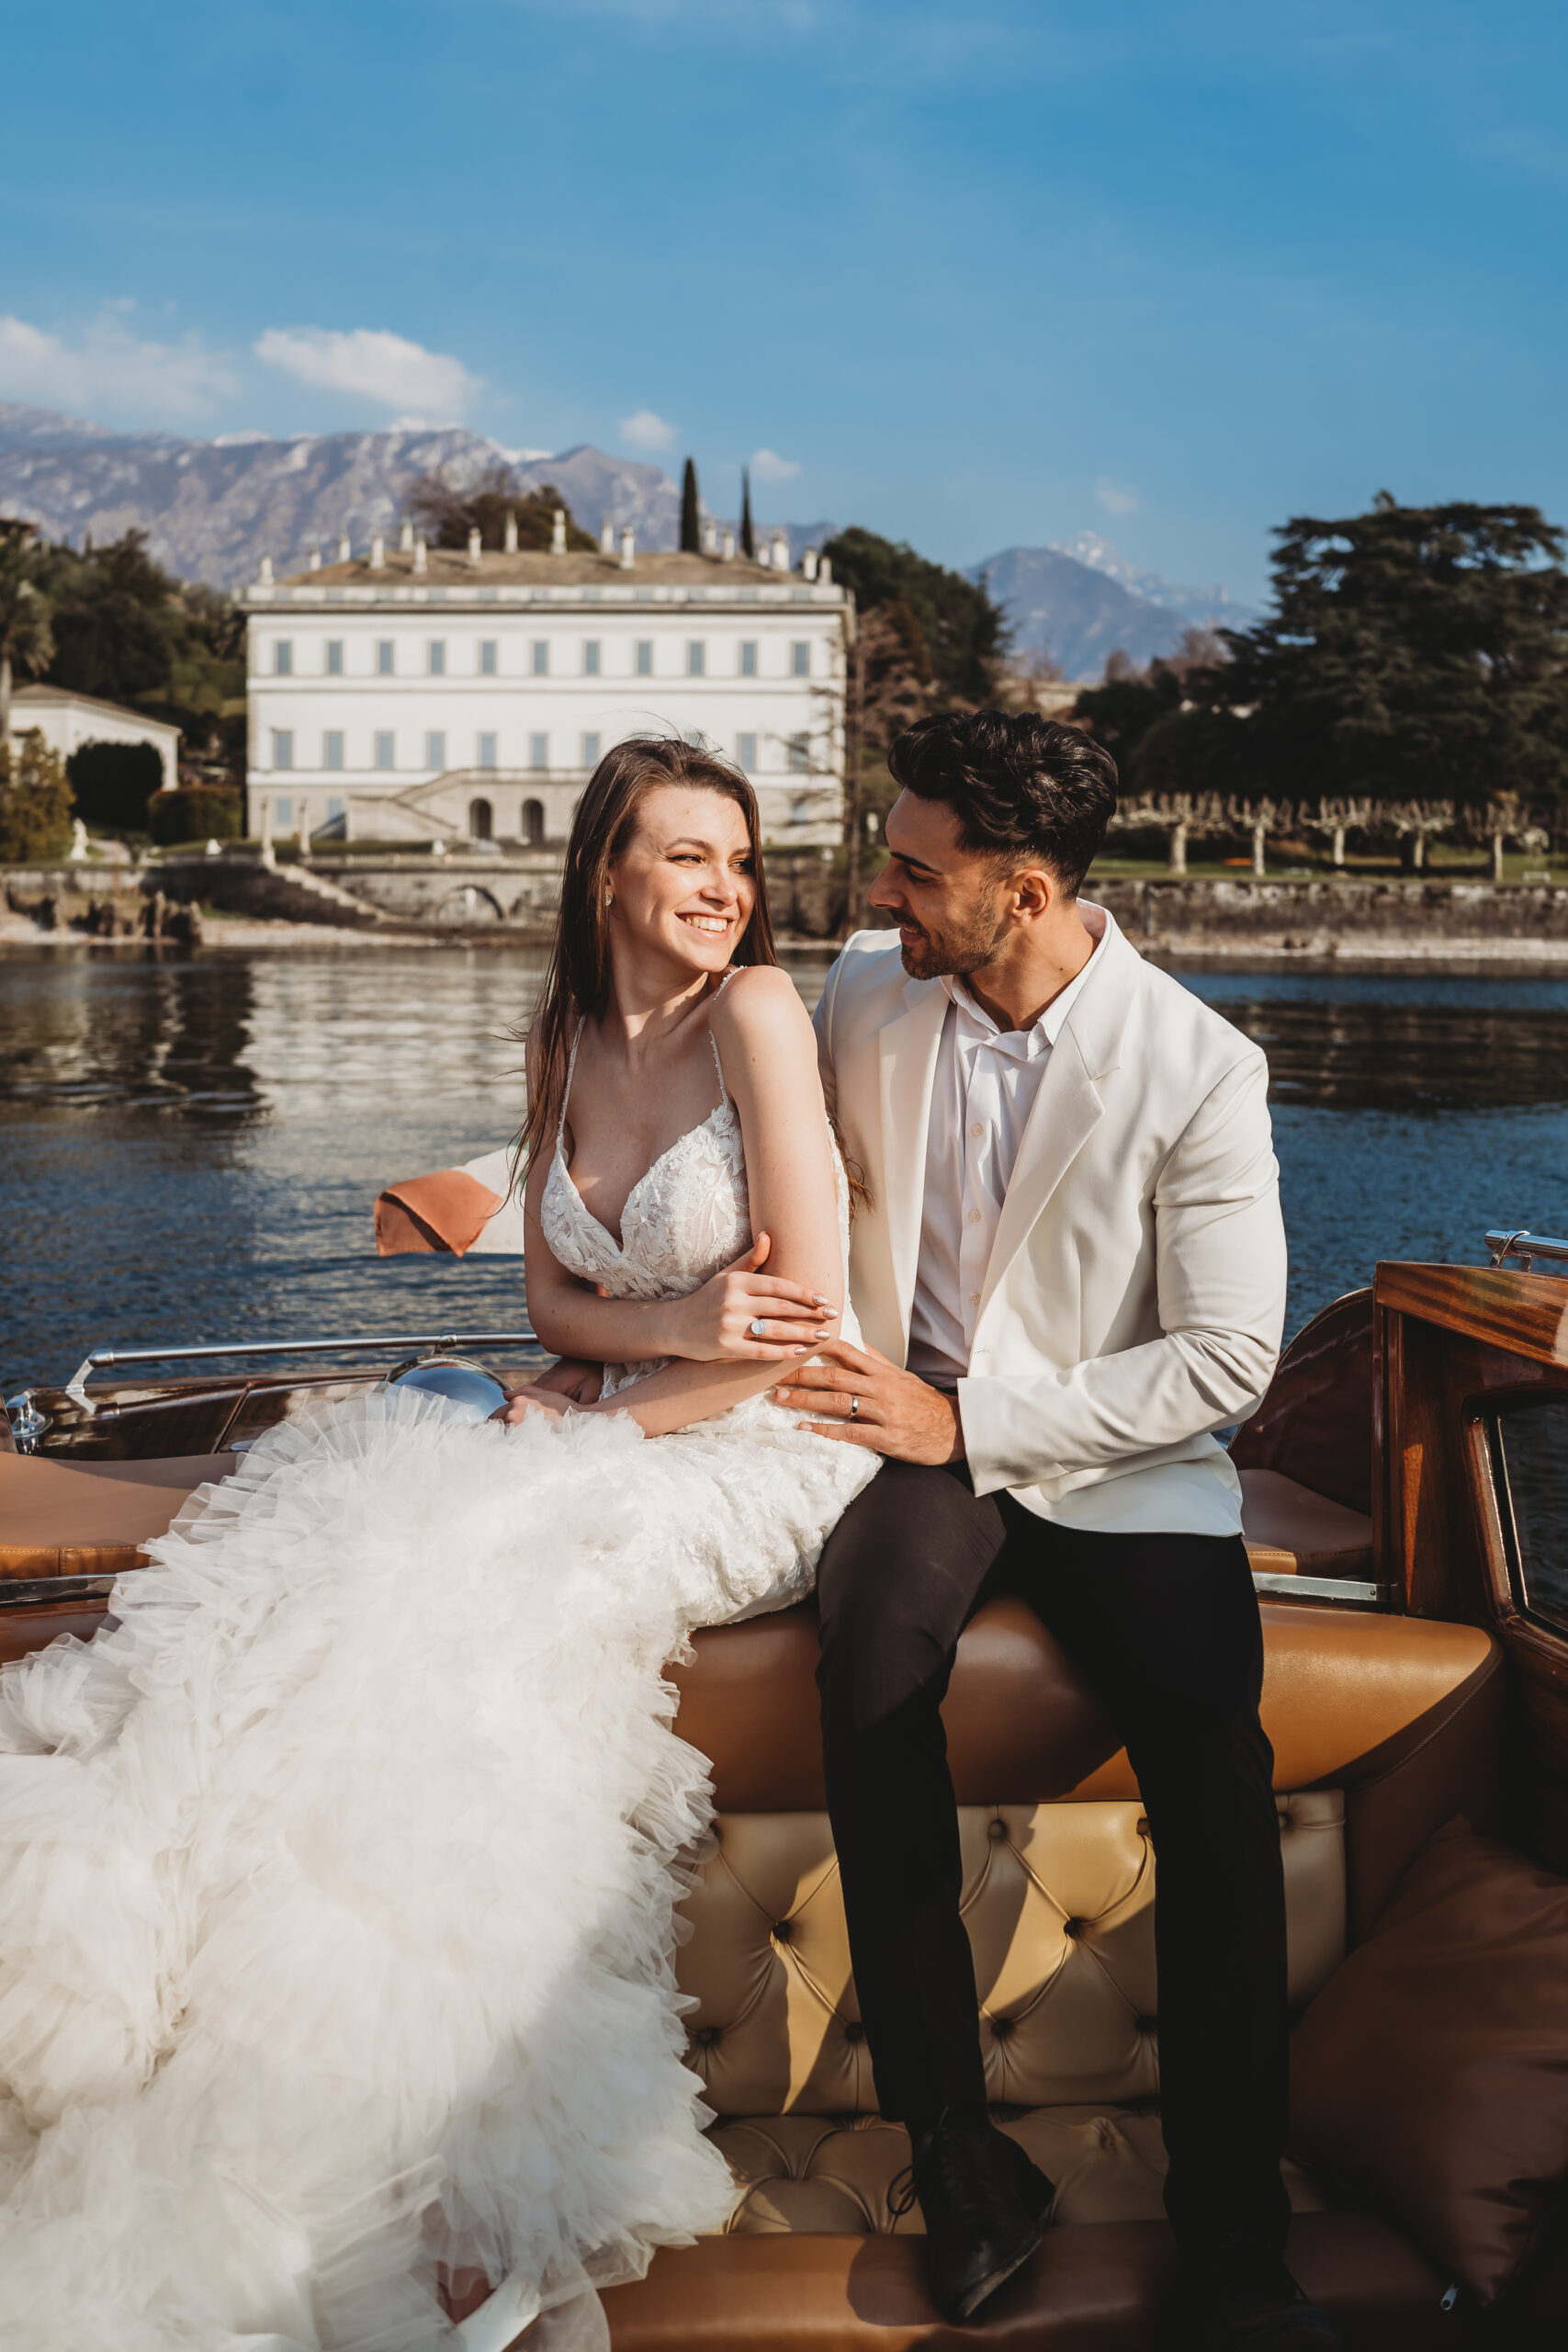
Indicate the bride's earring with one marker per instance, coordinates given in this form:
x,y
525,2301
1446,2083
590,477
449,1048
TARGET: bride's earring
x,y
609,898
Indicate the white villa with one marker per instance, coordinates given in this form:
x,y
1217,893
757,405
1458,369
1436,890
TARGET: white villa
x,y
414,694
68,722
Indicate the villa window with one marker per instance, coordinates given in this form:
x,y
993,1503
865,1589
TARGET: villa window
x,y
800,810
331,748
384,658
481,821
800,660
591,657
283,658
533,822
283,747
799,754
541,657
436,652
645,657
436,749
385,751
487,756
538,751
487,657
749,658
334,812
590,751
334,657
283,812
696,658
746,752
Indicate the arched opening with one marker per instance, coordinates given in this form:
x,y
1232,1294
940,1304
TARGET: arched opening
x,y
481,821
533,823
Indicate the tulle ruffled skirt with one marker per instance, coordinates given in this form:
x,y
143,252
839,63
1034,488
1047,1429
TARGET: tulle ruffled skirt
x,y
337,1881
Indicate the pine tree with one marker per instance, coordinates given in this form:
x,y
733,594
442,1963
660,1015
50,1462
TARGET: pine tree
x,y
35,802
748,535
691,520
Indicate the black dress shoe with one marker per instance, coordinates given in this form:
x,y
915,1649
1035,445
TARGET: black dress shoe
x,y
1263,2315
984,2205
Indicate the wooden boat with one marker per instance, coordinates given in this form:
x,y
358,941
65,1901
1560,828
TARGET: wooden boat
x,y
1406,1500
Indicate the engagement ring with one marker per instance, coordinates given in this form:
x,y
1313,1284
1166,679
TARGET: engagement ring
x,y
757,1328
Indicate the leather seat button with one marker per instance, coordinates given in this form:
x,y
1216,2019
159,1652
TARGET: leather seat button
x,y
1072,1929
996,1831
1142,1824
855,2031
782,1932
1148,2027
707,2035
1001,2028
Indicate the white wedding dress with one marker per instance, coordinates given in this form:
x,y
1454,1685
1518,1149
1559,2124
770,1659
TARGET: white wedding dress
x,y
337,1881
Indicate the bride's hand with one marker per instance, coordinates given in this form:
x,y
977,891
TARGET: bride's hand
x,y
533,1399
721,1320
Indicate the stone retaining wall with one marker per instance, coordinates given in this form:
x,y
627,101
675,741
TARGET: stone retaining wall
x,y
517,893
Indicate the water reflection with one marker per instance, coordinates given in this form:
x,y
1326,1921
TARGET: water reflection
x,y
189,1147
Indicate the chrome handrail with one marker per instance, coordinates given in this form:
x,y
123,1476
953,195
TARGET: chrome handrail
x,y
102,1358
1526,1247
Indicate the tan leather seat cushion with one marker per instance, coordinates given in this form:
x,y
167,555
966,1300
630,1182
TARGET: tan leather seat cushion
x,y
63,1519
1345,1692
1290,1531
1431,2076
1100,2290
1059,1902
830,2174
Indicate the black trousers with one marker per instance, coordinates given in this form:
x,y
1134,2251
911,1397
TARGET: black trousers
x,y
1166,1629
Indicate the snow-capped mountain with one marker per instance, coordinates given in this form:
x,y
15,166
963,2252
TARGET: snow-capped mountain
x,y
1080,603
212,509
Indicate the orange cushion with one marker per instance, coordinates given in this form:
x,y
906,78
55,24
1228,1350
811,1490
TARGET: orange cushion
x,y
1290,1531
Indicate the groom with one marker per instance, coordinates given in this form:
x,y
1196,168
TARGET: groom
x,y
1071,1272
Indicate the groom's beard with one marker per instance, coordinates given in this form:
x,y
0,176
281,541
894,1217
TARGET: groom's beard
x,y
960,949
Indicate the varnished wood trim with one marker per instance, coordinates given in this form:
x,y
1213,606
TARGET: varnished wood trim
x,y
1525,1314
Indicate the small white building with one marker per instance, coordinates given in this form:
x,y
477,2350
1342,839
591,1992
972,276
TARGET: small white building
x,y
411,695
68,722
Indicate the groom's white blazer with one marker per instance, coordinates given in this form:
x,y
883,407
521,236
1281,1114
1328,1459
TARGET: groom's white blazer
x,y
1136,1292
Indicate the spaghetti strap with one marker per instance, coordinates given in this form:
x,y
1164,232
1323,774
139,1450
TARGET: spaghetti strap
x,y
713,1041
566,1090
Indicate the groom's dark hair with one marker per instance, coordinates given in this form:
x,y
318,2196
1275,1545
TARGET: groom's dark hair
x,y
1022,784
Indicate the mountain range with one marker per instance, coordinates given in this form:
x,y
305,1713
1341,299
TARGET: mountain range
x,y
212,509
1079,604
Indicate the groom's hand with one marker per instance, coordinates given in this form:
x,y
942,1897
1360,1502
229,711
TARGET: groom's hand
x,y
570,1378
863,1398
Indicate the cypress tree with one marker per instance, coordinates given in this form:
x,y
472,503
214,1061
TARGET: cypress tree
x,y
691,525
748,535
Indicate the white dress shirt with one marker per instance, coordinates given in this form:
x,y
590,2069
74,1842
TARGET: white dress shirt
x,y
986,1079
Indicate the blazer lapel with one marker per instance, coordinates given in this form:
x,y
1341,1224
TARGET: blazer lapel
x,y
906,1055
1067,1107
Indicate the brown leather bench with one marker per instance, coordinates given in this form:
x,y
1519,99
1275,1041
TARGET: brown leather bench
x,y
1382,1727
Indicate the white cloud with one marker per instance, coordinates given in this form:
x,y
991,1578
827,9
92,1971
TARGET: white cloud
x,y
645,431
1114,496
107,368
767,465
373,364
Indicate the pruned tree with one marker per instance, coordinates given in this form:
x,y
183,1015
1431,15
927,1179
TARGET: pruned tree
x,y
747,535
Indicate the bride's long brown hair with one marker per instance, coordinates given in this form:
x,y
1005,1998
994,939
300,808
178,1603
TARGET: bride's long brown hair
x,y
577,981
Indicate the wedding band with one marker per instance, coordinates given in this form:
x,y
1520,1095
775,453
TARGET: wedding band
x,y
854,1408
757,1328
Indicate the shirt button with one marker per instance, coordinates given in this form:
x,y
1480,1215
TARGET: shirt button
x,y
974,1298
978,1129
974,1216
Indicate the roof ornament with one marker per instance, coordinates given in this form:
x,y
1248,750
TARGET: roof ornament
x,y
419,552
405,537
628,549
475,544
345,552
511,530
606,536
557,532
377,551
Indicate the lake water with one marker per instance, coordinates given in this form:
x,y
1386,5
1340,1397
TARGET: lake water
x,y
189,1148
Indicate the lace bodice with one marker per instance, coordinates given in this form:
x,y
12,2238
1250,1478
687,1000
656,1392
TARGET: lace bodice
x,y
687,1216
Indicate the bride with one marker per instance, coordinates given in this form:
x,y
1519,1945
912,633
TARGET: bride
x,y
337,1879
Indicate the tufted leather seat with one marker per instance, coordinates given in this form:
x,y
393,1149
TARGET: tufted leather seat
x,y
1290,1531
65,1518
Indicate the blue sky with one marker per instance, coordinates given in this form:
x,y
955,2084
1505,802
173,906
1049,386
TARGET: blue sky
x,y
985,274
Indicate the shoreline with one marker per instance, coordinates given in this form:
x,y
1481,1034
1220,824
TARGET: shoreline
x,y
1189,950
